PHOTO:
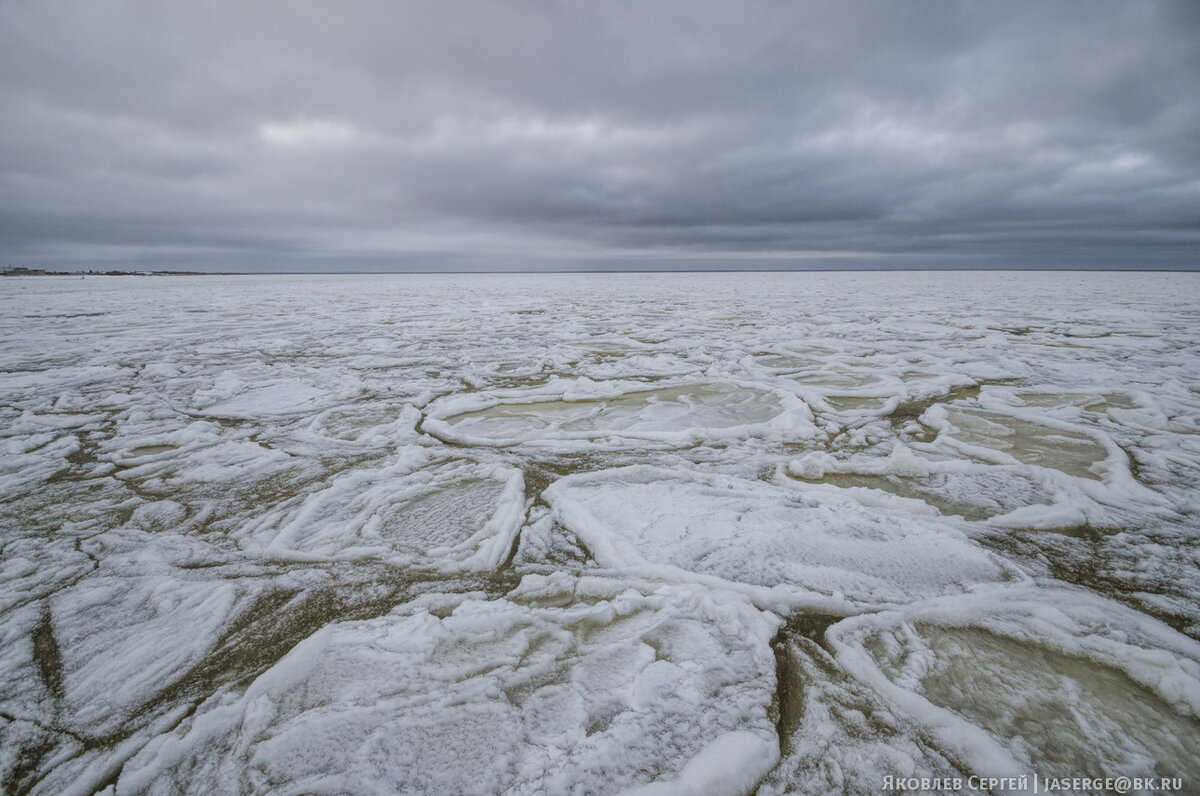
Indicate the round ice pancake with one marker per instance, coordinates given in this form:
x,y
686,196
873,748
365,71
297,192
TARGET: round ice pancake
x,y
1029,679
283,398
614,690
578,410
782,548
453,515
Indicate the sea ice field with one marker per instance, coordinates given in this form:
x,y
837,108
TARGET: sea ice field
x,y
598,533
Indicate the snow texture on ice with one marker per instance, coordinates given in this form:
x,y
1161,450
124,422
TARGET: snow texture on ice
x,y
656,533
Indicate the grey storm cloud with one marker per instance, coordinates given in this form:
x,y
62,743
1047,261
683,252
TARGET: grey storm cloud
x,y
394,136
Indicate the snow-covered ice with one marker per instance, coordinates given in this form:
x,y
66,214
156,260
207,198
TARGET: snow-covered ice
x,y
780,547
682,414
608,692
647,533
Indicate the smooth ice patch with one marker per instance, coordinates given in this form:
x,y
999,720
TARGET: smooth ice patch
x,y
792,359
781,547
835,379
855,403
1036,679
1003,495
618,689
1001,437
1095,402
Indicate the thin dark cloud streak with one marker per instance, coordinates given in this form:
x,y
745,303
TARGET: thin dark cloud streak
x,y
370,136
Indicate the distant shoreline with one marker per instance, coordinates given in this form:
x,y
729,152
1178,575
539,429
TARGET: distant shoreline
x,y
43,272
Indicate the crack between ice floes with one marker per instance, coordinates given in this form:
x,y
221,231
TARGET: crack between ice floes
x,y
782,696
187,680
91,556
516,542
787,703
66,584
119,767
419,426
1135,468
90,744
45,727
47,655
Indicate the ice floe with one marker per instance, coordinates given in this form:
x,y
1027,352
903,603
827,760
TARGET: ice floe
x,y
1044,680
614,690
784,548
457,515
674,414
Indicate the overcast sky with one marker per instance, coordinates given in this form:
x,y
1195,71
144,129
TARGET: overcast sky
x,y
533,135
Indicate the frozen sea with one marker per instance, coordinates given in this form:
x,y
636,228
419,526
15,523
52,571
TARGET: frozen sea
x,y
602,533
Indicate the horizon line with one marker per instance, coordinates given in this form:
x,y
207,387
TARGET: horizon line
x,y
1019,269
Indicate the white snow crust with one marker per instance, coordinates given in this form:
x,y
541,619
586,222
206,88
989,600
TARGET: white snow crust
x,y
498,696
783,549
